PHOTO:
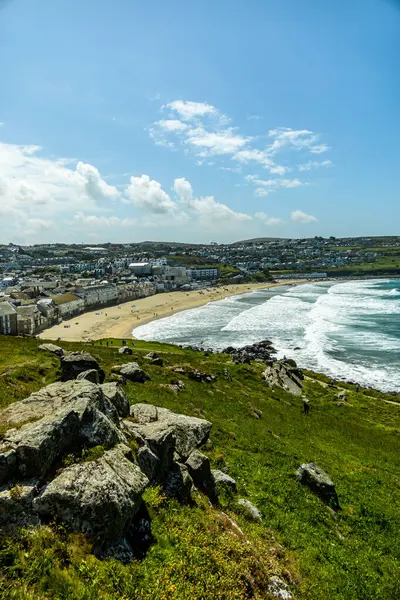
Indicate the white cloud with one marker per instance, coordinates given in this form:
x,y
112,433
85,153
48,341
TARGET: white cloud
x,y
272,185
102,221
207,208
313,164
319,149
148,195
183,189
95,186
171,125
285,137
215,143
260,192
189,110
261,216
302,217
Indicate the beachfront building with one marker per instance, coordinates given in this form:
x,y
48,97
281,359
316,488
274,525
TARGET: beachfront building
x,y
203,274
30,320
102,294
141,268
8,319
68,304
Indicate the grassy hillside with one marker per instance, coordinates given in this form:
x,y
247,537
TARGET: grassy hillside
x,y
349,555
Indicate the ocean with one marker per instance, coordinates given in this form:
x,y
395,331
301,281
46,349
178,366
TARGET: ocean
x,y
348,330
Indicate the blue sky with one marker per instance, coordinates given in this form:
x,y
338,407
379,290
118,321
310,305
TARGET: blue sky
x,y
127,121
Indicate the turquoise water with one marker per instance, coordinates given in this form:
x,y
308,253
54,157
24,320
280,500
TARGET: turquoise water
x,y
349,330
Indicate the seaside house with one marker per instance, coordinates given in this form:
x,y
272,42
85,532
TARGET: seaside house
x,y
8,319
68,304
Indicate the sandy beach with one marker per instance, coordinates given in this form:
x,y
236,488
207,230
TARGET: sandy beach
x,y
119,321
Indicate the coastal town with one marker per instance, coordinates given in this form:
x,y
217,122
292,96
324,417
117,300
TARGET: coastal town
x,y
42,286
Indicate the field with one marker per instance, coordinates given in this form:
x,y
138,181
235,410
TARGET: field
x,y
352,554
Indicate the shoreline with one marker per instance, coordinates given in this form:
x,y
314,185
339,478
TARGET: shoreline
x,y
119,321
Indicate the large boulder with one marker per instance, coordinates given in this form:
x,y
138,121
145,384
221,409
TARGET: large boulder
x,y
116,395
125,350
178,483
59,418
159,439
224,481
52,348
16,503
319,482
189,432
200,471
154,358
99,498
284,375
133,372
90,375
74,363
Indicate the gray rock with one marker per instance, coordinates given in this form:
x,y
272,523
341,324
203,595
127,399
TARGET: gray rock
x,y
154,358
279,589
125,350
8,461
284,375
73,363
223,480
16,503
91,375
99,498
120,550
178,483
189,432
159,438
200,471
319,482
149,464
341,396
133,372
144,413
116,395
51,348
250,510
58,417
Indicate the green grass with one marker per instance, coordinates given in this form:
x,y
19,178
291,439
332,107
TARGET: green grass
x,y
353,554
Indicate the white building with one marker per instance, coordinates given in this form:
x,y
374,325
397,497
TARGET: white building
x,y
203,274
98,295
68,304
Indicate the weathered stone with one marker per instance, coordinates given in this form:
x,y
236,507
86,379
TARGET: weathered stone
x,y
90,375
8,461
159,438
319,482
125,350
51,348
189,432
144,413
178,483
116,395
149,463
73,363
154,358
250,511
99,498
133,372
284,375
16,503
58,417
222,480
279,589
200,471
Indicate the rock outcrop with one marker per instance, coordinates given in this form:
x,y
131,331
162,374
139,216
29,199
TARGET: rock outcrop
x,y
74,363
262,351
91,375
125,350
189,432
222,480
131,371
99,497
249,510
52,348
319,482
284,374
